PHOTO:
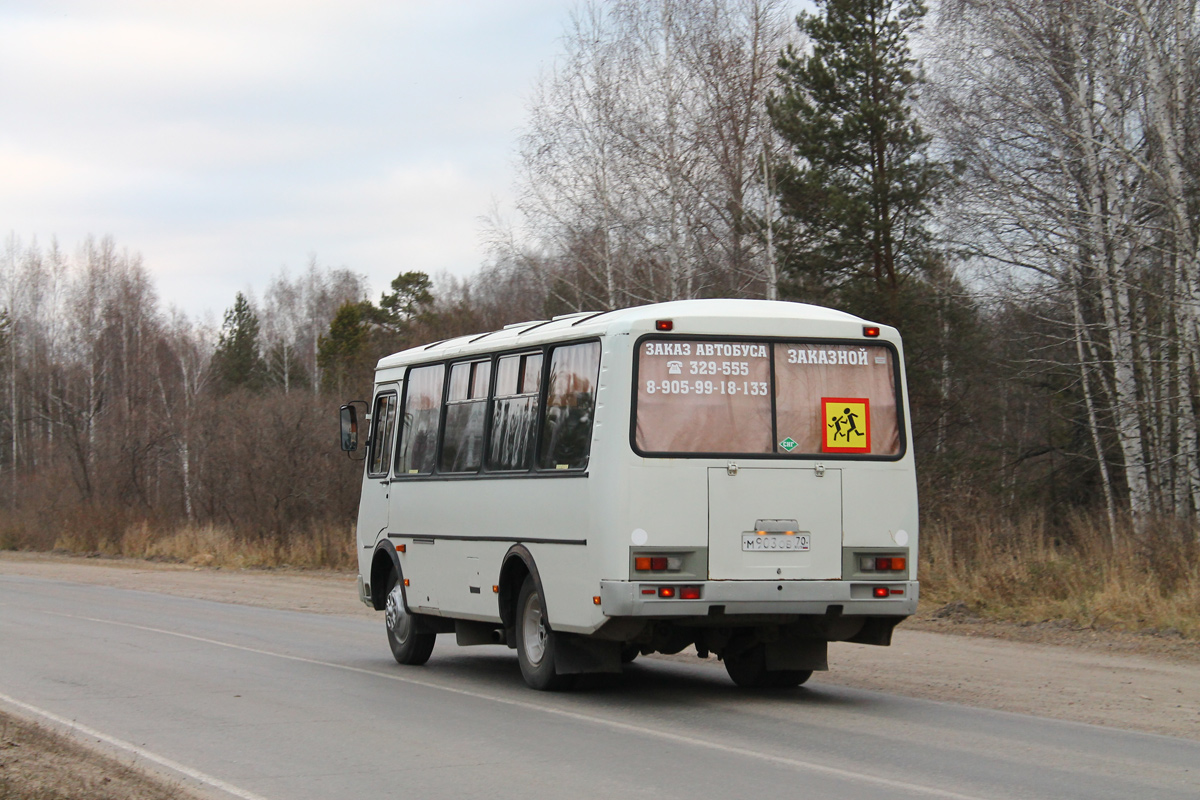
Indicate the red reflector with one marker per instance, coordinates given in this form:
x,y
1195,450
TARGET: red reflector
x,y
666,591
689,592
870,330
881,591
897,591
883,563
664,325
658,563
641,563
647,591
899,563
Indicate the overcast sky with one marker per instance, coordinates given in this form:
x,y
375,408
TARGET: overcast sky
x,y
225,139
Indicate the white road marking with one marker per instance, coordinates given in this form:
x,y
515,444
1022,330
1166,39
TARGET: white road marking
x,y
140,752
795,763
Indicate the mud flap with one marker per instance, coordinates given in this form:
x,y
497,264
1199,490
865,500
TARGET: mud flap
x,y
877,631
797,654
578,655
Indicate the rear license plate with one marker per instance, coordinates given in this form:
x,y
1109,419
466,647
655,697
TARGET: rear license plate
x,y
775,541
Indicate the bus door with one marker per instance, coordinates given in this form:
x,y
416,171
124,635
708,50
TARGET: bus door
x,y
373,506
774,524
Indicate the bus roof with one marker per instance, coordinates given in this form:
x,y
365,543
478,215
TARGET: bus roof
x,y
688,315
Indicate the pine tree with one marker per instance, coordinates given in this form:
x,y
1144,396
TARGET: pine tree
x,y
857,194
410,296
237,361
857,190
342,353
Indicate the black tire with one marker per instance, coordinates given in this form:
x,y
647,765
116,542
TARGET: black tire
x,y
408,647
535,641
749,671
629,653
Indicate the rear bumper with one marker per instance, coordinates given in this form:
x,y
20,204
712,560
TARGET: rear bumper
x,y
856,598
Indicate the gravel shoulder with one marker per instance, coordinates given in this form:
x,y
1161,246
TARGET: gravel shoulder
x,y
1129,681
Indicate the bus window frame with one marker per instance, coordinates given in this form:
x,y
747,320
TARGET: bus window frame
x,y
490,360
543,406
533,471
772,342
371,439
491,406
403,407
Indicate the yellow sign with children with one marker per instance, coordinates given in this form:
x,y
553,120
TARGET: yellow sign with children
x,y
847,424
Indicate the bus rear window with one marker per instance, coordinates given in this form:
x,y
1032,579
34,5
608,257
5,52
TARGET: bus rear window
x,y
836,399
704,397
720,397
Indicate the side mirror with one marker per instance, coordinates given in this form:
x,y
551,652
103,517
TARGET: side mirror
x,y
349,420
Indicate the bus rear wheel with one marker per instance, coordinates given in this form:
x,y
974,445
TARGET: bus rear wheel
x,y
536,641
408,647
749,671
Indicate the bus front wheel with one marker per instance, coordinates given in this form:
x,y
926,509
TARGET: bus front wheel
x,y
749,671
408,646
536,641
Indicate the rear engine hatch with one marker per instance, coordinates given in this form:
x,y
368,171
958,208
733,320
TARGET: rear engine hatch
x,y
774,524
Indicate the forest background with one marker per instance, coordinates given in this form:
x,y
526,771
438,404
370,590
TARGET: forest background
x,y
1012,183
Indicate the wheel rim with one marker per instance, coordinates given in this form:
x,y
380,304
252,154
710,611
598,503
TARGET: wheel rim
x,y
399,622
533,627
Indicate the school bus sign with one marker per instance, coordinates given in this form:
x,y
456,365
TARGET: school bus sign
x,y
847,424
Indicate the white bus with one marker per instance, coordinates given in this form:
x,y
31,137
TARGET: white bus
x,y
733,475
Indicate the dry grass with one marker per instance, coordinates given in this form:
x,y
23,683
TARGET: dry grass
x,y
38,764
1025,570
319,547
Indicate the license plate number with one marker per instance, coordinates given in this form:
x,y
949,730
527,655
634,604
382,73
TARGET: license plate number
x,y
775,541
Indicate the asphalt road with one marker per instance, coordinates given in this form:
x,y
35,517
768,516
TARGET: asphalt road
x,y
257,703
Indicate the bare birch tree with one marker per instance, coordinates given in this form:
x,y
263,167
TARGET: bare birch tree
x,y
641,166
1068,118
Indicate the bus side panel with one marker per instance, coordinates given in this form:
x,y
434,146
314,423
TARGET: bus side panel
x,y
454,578
568,594
609,481
482,518
668,501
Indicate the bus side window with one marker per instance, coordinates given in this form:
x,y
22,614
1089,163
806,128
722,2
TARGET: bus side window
x,y
466,402
422,412
570,406
514,413
384,426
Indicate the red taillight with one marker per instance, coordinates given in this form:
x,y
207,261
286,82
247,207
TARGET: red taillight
x,y
666,591
658,563
870,331
883,563
664,325
880,591
689,592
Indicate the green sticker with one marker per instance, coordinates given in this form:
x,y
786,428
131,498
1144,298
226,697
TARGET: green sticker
x,y
788,444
